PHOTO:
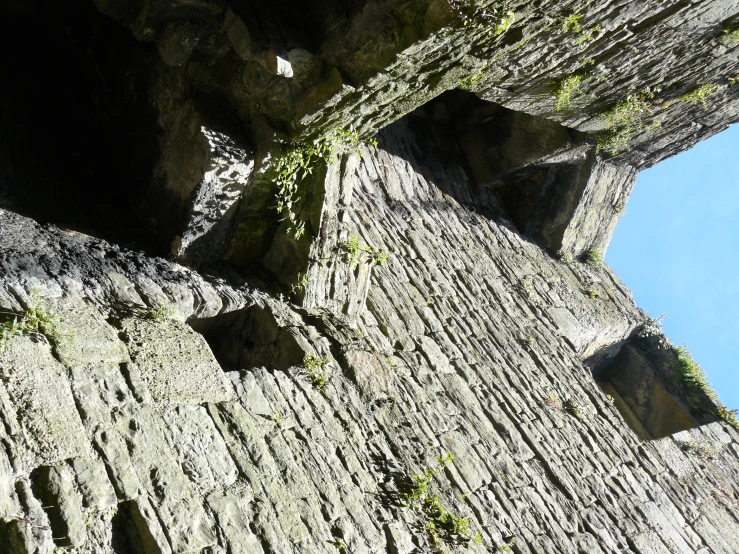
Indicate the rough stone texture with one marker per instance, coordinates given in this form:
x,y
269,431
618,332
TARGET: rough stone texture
x,y
468,331
180,411
201,174
634,384
175,363
38,403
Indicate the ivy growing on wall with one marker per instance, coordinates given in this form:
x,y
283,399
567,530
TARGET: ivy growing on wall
x,y
298,160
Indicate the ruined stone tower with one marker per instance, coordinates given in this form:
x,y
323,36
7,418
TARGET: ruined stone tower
x,y
326,276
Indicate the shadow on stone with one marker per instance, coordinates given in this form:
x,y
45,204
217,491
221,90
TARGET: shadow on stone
x,y
76,148
534,174
643,376
130,531
249,338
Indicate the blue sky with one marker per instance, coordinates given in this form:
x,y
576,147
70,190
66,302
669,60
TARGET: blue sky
x,y
677,249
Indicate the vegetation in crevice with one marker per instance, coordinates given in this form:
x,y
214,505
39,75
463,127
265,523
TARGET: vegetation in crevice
x,y
591,293
444,529
572,25
566,88
588,35
593,257
572,408
702,451
313,369
699,95
162,311
692,378
686,377
565,256
33,321
491,19
339,544
469,82
297,161
730,36
356,251
626,118
553,402
300,287
694,382
729,416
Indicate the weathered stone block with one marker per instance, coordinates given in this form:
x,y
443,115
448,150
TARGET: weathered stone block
x,y
38,387
201,451
86,338
54,487
175,362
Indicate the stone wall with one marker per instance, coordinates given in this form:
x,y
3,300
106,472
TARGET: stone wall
x,y
471,343
428,367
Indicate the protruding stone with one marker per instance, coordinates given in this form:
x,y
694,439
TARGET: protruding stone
x,y
238,34
38,387
54,487
175,362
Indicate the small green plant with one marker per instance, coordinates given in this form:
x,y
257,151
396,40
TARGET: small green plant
x,y
34,321
421,482
297,161
505,22
572,24
615,141
278,418
619,209
491,19
692,377
433,534
565,257
162,311
524,286
592,293
452,522
733,80
442,527
589,34
610,399
594,257
702,451
567,87
355,250
626,118
729,416
339,544
301,285
314,370
469,82
572,408
507,546
730,37
700,95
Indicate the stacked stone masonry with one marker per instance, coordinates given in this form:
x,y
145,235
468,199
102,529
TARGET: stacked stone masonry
x,y
259,393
